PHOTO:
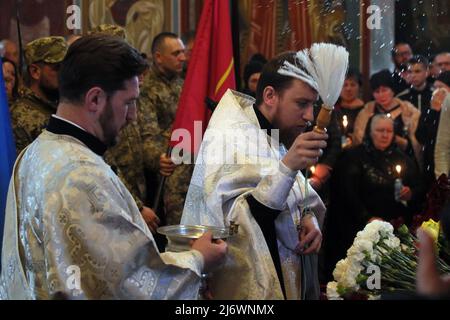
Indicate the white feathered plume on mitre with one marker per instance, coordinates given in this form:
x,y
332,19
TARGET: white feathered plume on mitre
x,y
326,65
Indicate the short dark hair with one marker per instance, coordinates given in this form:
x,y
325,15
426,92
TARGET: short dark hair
x,y
188,36
355,75
258,57
382,79
271,77
418,59
251,68
394,49
159,40
98,60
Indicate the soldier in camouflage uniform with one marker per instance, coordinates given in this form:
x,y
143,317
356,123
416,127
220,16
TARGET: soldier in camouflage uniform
x,y
110,29
32,111
158,105
126,157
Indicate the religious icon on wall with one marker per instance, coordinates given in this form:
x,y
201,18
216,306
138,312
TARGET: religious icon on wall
x,y
142,19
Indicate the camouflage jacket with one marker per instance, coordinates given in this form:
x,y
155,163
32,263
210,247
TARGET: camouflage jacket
x,y
141,143
156,114
29,116
127,157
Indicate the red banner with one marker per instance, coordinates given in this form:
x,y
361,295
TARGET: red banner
x,y
210,74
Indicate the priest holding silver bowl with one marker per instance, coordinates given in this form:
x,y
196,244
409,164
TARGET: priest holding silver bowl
x,y
181,237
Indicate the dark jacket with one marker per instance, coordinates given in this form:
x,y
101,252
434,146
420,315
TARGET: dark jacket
x,y
362,188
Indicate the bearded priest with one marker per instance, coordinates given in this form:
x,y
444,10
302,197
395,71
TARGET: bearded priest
x,y
73,231
248,173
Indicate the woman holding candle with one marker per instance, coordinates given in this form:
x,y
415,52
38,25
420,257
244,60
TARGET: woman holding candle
x,y
363,187
403,113
349,104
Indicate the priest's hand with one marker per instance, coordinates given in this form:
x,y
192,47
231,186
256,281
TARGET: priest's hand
x,y
150,218
305,151
166,165
310,236
213,251
429,281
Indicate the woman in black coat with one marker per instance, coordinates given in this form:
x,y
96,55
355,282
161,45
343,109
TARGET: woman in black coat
x,y
363,188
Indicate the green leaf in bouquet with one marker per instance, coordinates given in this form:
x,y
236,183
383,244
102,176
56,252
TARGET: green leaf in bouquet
x,y
341,290
361,279
403,231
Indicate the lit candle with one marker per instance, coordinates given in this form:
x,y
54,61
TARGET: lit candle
x,y
398,168
313,170
344,133
398,185
345,122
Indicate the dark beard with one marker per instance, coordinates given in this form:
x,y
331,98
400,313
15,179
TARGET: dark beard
x,y
287,137
51,94
109,137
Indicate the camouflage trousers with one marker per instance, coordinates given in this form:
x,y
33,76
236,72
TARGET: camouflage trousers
x,y
175,191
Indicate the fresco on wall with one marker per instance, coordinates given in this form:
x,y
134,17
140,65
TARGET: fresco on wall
x,y
142,19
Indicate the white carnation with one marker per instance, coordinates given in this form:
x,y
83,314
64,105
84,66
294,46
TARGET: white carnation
x,y
392,242
355,253
332,293
340,269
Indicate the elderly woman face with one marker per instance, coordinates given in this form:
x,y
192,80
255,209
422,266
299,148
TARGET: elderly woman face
x,y
384,96
382,133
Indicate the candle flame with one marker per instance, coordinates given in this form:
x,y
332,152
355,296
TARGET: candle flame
x,y
345,121
312,169
398,168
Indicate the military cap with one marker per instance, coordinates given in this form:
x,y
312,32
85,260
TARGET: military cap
x,y
47,49
110,29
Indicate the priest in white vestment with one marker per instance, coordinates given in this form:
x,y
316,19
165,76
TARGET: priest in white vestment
x,y
72,229
247,171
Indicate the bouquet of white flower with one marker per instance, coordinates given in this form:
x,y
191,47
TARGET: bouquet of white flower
x,y
377,262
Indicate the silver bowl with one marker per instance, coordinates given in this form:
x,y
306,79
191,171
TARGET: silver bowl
x,y
180,236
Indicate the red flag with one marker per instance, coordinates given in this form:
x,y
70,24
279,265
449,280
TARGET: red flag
x,y
210,73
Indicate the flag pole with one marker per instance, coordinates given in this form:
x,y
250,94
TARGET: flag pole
x,y
19,37
160,189
236,41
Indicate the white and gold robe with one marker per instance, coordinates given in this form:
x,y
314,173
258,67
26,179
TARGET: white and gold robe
x,y
73,231
218,192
